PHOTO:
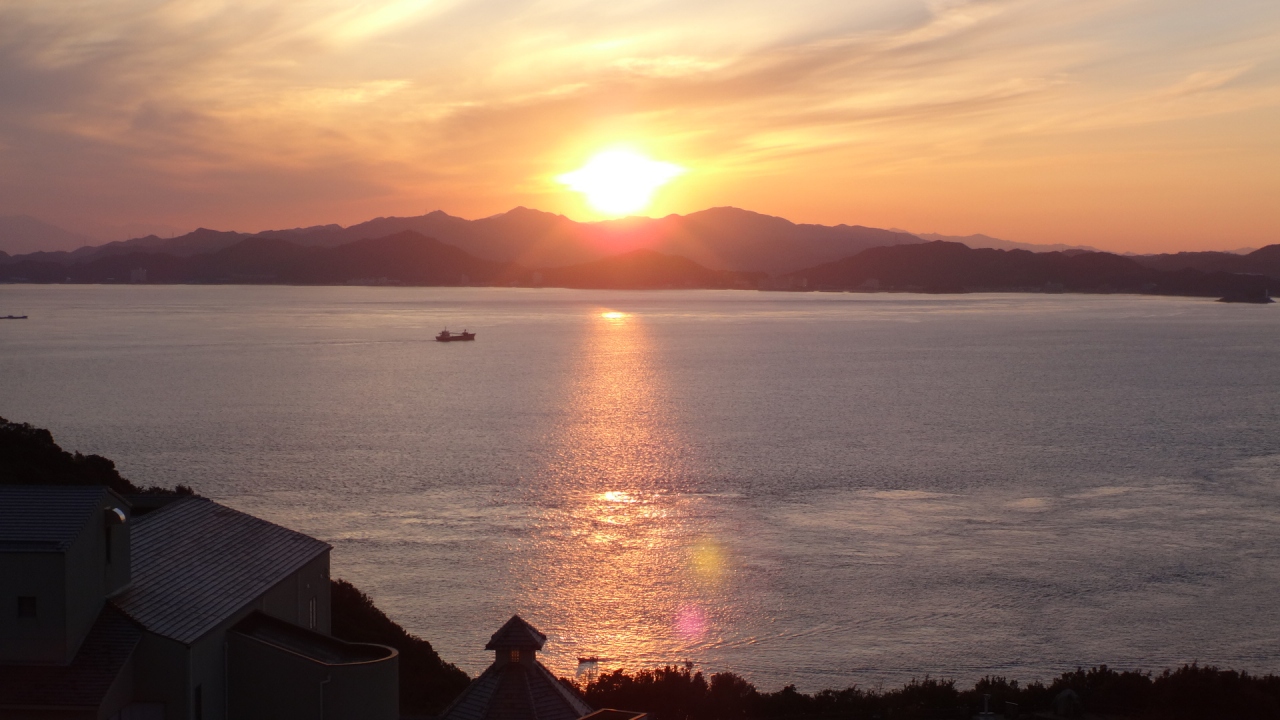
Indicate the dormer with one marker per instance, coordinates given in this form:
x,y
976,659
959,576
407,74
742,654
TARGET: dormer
x,y
63,551
516,642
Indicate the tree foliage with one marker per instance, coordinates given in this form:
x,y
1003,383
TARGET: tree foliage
x,y
427,683
29,456
1190,692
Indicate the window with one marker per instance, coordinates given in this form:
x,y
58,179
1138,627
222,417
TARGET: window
x,y
515,656
108,543
26,606
311,608
197,703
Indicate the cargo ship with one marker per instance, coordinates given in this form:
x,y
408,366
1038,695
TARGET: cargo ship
x,y
446,336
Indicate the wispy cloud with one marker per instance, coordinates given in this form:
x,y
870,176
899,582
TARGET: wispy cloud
x,y
184,111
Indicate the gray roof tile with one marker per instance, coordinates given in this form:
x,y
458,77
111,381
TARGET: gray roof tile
x,y
197,563
46,517
516,691
516,633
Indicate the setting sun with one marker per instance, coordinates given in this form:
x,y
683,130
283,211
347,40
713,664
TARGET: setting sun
x,y
618,182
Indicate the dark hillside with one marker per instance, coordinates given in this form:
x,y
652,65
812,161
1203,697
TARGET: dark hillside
x,y
952,267
733,239
1263,261
1190,692
29,456
196,242
723,239
407,258
645,269
427,683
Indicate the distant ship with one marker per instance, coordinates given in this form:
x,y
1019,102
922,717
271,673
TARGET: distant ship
x,y
14,317
446,336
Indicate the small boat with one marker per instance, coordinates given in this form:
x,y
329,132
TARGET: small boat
x,y
446,336
14,317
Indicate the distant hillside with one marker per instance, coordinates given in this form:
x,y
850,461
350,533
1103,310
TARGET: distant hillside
x,y
406,258
646,269
409,258
22,234
196,242
1264,261
986,241
722,239
716,248
29,456
947,267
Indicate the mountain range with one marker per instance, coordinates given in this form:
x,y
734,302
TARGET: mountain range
x,y
980,241
716,248
722,239
404,258
21,234
949,267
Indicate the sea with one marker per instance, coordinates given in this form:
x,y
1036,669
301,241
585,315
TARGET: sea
x,y
817,489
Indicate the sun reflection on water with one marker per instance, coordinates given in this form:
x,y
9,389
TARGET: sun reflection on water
x,y
624,564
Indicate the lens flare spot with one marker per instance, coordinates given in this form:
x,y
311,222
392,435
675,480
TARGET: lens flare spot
x,y
707,560
691,622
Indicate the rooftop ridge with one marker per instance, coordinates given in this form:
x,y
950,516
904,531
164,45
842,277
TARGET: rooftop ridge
x,y
47,517
516,632
189,546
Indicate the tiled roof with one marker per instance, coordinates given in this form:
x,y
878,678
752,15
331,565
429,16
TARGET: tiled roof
x,y
84,682
516,633
45,517
515,691
196,563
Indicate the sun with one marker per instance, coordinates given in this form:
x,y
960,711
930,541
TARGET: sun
x,y
620,181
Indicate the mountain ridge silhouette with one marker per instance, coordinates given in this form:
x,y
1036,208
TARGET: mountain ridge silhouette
x,y
722,239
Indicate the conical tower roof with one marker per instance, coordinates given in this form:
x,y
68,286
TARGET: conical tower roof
x,y
516,686
516,633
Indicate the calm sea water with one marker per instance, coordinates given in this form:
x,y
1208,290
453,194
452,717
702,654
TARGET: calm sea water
x,y
819,489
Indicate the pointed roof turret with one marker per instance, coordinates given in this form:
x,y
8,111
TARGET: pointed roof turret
x,y
516,633
516,686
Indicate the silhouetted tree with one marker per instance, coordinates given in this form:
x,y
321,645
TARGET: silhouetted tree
x,y
29,456
674,693
427,683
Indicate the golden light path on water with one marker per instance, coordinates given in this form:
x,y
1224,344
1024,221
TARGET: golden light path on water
x,y
625,566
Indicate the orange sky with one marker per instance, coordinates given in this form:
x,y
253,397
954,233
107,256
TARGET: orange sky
x,y
1140,125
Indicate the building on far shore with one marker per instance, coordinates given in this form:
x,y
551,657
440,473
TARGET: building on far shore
x,y
182,610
